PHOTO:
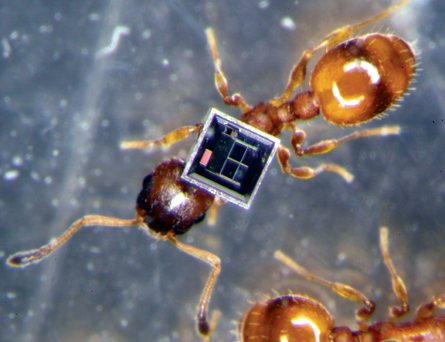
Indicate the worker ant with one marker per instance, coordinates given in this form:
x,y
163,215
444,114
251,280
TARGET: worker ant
x,y
299,318
352,83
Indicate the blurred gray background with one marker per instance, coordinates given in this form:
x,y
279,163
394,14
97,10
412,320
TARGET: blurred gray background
x,y
66,103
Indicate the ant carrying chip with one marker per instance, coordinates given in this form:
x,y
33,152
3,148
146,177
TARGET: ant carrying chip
x,y
230,158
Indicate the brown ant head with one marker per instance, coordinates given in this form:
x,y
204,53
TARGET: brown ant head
x,y
166,203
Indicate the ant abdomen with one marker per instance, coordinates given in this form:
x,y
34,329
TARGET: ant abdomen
x,y
166,203
287,318
361,78
296,318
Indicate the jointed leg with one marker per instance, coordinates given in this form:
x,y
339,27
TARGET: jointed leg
x,y
426,310
298,73
171,138
339,35
397,283
213,321
235,100
26,258
343,290
214,209
307,172
325,146
203,325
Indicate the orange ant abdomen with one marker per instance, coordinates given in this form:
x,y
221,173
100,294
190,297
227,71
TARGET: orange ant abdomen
x,y
287,318
361,78
296,318
166,203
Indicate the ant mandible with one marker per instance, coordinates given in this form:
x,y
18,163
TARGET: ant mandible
x,y
352,83
299,318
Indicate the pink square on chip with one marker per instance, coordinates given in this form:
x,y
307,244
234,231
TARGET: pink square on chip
x,y
205,157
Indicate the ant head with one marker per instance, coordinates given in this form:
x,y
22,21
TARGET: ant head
x,y
287,318
166,203
361,78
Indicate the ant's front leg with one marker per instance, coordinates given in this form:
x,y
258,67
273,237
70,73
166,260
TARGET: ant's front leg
x,y
166,141
205,328
214,209
325,146
236,100
306,172
26,258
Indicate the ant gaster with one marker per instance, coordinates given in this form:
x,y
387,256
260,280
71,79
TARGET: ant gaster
x,y
352,83
299,318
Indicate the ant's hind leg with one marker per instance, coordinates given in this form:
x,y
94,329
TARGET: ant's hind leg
x,y
339,35
326,146
221,84
306,172
166,141
26,258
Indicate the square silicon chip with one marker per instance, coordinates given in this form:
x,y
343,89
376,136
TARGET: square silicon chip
x,y
230,158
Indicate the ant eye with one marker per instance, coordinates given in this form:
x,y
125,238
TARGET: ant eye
x,y
287,318
361,78
146,182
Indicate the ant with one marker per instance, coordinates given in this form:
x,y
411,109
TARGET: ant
x,y
300,318
352,83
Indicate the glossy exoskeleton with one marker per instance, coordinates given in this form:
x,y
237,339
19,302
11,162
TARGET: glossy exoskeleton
x,y
166,203
352,83
297,318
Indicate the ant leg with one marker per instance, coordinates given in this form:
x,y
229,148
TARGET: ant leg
x,y
306,172
342,289
26,258
214,209
296,78
171,138
298,72
397,282
426,310
236,100
326,146
339,35
204,328
215,316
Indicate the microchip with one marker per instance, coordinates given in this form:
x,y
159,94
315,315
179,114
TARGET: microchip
x,y
230,158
